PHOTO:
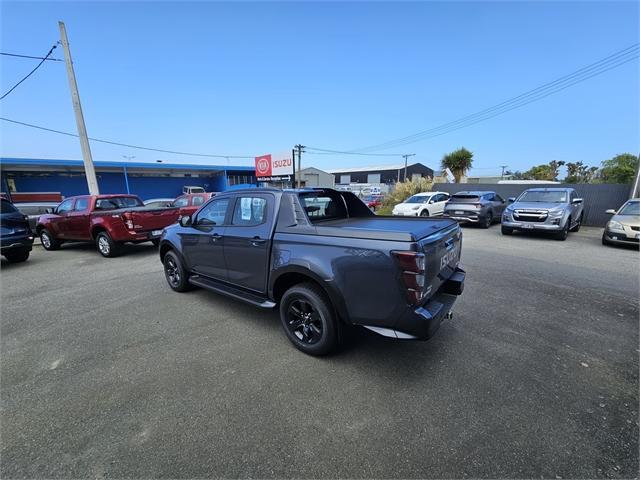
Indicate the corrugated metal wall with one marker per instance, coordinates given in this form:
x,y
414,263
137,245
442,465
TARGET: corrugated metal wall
x,y
597,198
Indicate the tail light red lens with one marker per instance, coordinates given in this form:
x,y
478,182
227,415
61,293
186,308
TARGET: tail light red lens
x,y
412,265
127,221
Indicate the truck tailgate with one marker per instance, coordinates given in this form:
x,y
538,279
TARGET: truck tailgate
x,y
442,255
153,219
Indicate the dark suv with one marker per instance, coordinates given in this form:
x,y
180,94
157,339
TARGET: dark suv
x,y
16,238
481,207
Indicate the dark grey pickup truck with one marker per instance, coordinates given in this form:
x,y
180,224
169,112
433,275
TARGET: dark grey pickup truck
x,y
324,258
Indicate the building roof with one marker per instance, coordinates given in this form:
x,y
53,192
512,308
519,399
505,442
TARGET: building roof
x,y
42,162
374,168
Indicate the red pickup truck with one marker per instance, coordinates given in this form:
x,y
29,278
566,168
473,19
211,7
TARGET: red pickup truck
x,y
190,202
108,220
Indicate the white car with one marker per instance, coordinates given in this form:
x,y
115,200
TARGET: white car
x,y
426,204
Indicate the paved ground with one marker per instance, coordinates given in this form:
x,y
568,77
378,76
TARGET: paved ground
x,y
107,373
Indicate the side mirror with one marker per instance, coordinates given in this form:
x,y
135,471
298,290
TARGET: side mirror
x,y
512,199
577,200
186,221
611,211
50,210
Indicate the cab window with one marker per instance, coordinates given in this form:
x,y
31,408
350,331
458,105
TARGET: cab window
x,y
197,200
181,202
249,211
81,204
213,213
65,206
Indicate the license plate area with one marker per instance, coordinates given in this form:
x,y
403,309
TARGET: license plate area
x,y
156,233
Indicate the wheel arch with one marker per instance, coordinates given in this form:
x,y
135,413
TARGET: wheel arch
x,y
296,275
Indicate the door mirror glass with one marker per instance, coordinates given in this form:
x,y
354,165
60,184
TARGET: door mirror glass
x,y
185,221
611,211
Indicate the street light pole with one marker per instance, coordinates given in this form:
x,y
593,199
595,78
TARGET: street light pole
x,y
126,177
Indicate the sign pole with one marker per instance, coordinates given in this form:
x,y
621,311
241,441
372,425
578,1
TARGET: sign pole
x,y
293,159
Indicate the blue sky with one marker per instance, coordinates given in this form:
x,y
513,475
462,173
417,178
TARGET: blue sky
x,y
252,78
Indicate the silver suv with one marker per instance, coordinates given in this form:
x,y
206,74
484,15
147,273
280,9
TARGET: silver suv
x,y
557,210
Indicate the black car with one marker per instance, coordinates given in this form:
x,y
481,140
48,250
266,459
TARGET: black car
x,y
16,238
324,258
480,207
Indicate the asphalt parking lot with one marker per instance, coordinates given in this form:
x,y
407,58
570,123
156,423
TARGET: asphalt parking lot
x,y
107,373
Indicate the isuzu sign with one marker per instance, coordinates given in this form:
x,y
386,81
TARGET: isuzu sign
x,y
276,165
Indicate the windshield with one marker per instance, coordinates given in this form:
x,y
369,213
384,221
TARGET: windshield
x,y
117,202
544,196
631,208
418,199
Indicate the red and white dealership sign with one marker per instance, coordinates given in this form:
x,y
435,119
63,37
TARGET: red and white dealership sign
x,y
276,165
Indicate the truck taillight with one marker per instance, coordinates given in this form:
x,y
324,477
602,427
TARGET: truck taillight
x,y
127,220
412,265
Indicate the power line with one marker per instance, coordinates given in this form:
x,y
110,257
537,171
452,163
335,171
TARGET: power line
x,y
30,56
109,142
324,151
602,65
31,72
608,63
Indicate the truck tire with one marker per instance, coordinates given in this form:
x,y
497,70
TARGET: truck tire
x,y
506,230
487,220
576,228
48,241
175,273
106,246
564,233
424,213
17,256
309,320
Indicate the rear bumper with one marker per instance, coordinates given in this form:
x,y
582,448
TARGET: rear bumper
x,y
137,236
463,218
23,242
423,322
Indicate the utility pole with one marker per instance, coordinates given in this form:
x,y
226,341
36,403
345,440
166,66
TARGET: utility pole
x,y
636,182
407,155
502,174
90,172
299,149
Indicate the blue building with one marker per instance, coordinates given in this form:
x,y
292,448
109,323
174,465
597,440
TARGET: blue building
x,y
147,180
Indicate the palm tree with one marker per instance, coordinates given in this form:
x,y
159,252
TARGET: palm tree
x,y
458,161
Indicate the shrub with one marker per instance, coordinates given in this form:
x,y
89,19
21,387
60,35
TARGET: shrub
x,y
402,191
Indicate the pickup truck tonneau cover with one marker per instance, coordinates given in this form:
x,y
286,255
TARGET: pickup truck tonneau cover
x,y
383,228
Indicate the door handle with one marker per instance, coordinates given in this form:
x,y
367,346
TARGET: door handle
x,y
215,237
257,241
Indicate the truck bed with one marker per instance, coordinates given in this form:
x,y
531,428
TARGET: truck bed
x,y
403,229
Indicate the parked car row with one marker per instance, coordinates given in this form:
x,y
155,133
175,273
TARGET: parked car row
x,y
556,211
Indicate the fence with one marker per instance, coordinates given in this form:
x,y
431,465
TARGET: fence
x,y
597,197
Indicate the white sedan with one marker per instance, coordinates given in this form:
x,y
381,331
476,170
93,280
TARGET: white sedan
x,y
426,204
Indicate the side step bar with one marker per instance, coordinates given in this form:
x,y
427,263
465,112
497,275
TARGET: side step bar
x,y
230,291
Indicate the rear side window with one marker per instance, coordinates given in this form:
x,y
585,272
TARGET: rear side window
x,y
81,204
323,206
465,198
7,207
198,200
249,211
